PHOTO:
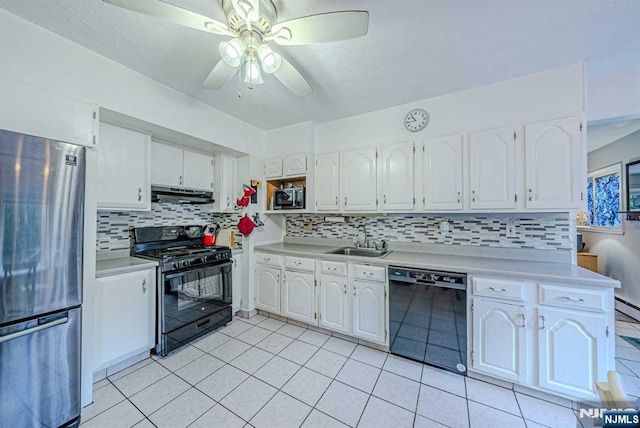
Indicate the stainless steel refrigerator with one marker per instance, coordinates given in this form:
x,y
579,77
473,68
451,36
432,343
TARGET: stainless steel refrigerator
x,y
41,239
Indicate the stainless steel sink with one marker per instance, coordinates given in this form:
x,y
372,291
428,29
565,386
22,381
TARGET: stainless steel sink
x,y
362,252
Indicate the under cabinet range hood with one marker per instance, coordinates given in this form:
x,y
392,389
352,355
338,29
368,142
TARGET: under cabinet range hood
x,y
178,195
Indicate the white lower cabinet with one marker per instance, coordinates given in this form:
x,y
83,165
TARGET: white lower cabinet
x,y
369,311
563,349
334,304
236,283
299,302
572,350
499,345
268,288
124,316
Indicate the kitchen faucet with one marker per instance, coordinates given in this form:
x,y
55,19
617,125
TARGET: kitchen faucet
x,y
365,242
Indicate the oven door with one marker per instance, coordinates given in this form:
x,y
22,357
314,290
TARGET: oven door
x,y
190,295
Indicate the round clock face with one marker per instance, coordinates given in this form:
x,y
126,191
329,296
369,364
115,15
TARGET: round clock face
x,y
416,120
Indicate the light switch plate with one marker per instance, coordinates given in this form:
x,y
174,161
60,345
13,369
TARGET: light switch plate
x,y
511,229
445,228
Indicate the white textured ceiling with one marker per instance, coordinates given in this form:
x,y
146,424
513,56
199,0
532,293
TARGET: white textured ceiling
x,y
415,49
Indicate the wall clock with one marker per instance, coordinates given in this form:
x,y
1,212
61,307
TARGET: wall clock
x,y
416,120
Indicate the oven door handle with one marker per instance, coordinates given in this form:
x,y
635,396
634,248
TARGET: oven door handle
x,y
219,267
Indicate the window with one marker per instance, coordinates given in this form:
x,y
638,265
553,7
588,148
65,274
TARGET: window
x,y
604,198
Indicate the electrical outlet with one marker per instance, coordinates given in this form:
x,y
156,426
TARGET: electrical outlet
x,y
511,229
308,225
445,228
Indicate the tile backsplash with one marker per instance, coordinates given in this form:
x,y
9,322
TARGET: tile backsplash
x,y
113,228
533,231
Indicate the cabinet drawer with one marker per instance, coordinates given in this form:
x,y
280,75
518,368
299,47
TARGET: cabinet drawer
x,y
568,297
300,263
268,259
500,288
334,268
370,273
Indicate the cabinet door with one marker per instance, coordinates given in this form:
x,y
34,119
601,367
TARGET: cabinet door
x,y
166,165
555,174
327,178
273,168
123,169
563,332
492,160
125,316
299,297
442,173
268,288
198,171
335,308
499,346
369,311
236,283
224,183
397,177
358,180
295,165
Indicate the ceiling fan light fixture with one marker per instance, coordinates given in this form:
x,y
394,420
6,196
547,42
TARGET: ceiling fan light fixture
x,y
232,51
252,74
269,59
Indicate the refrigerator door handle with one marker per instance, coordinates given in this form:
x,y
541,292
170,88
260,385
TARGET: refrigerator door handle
x,y
33,330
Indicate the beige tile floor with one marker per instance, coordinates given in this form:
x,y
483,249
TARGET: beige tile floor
x,y
263,372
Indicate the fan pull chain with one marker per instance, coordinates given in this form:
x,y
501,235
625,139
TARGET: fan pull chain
x,y
240,82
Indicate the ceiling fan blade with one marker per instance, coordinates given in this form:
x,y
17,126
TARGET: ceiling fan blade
x,y
292,79
178,15
220,75
325,27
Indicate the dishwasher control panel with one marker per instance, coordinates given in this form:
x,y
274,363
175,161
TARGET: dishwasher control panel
x,y
427,277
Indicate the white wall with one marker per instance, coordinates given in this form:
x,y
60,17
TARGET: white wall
x,y
45,60
618,255
614,95
289,139
550,94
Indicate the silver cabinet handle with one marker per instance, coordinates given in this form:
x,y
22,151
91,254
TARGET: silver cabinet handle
x,y
354,291
523,321
384,199
139,194
278,277
473,196
337,203
267,259
458,197
572,299
541,327
345,201
181,180
497,291
144,285
212,185
345,289
228,201
530,194
32,330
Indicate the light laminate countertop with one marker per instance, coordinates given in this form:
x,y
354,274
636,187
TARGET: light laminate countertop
x,y
117,262
565,273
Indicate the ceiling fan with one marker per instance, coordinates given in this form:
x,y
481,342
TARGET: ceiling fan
x,y
252,24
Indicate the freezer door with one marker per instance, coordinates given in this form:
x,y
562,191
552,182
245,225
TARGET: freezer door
x,y
41,225
40,371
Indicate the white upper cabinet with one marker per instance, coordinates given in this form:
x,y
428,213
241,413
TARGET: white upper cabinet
x,y
224,173
198,170
176,167
295,165
358,180
555,176
492,169
273,168
166,165
397,177
123,169
327,179
442,173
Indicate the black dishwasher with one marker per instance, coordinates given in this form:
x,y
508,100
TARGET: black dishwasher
x,y
428,317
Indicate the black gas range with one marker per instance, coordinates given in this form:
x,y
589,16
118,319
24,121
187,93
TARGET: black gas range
x,y
193,283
